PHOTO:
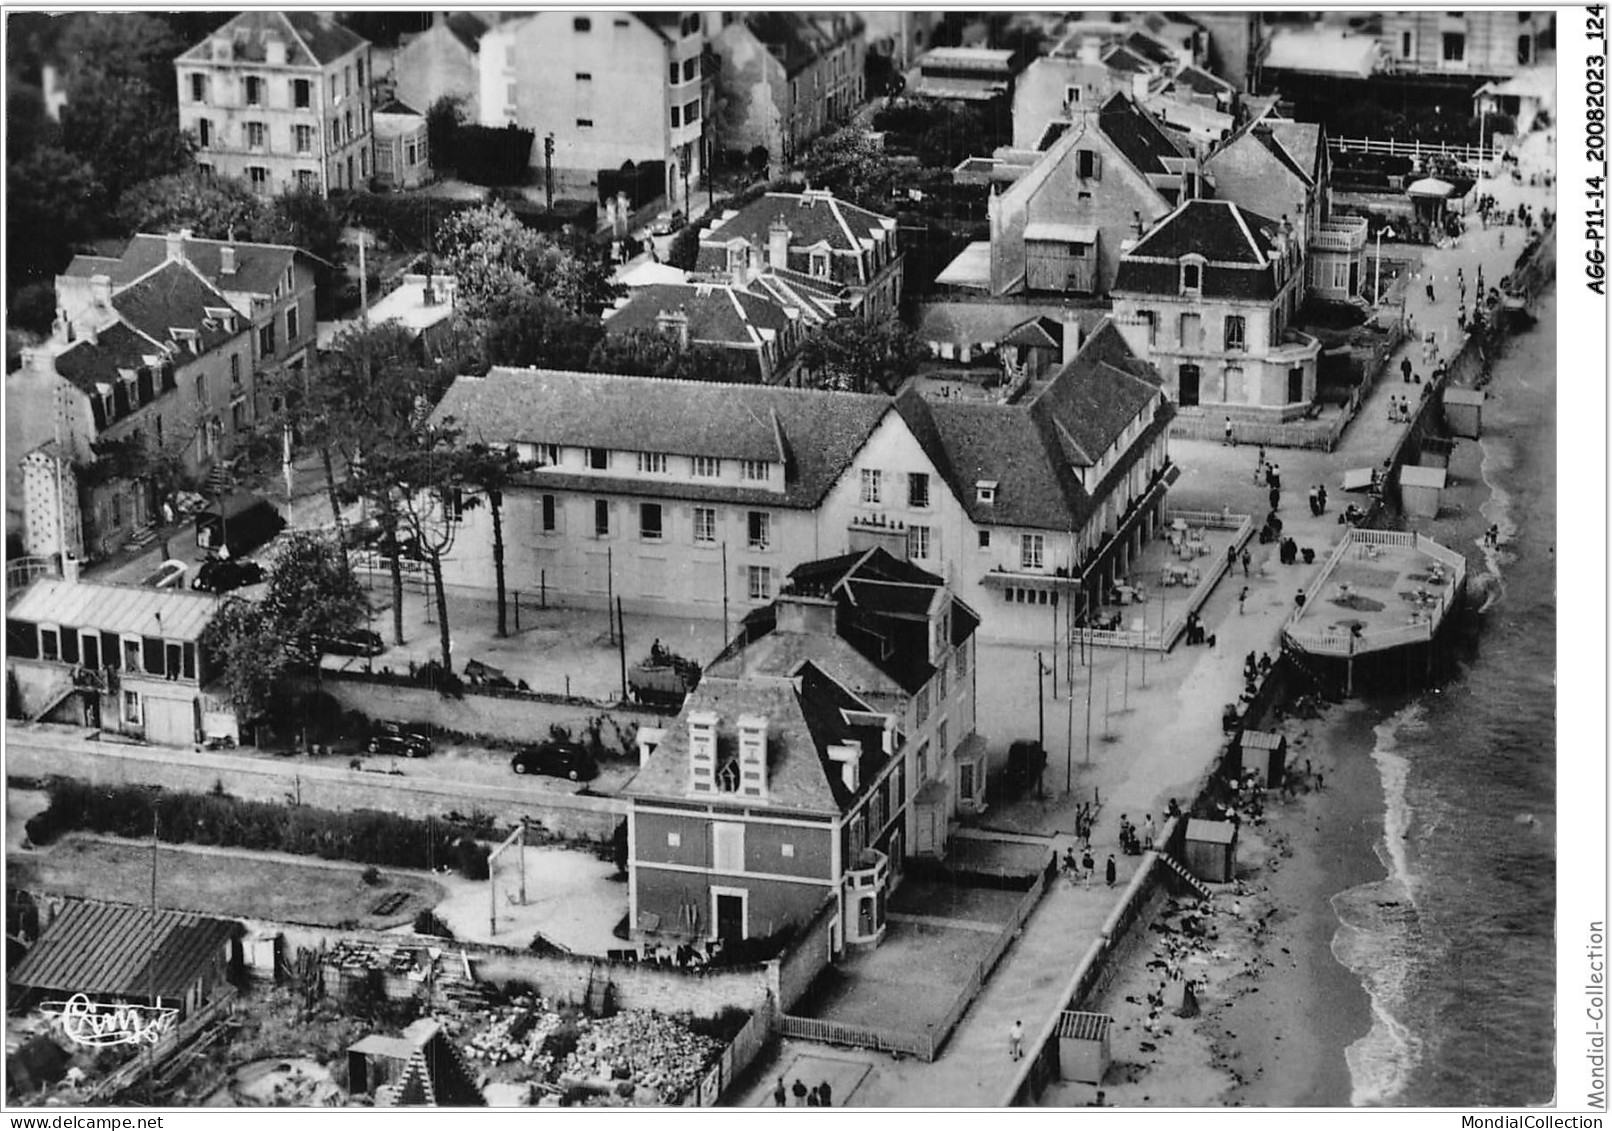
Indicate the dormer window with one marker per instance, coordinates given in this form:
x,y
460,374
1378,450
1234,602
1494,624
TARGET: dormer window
x,y
738,256
1192,275
819,263
985,491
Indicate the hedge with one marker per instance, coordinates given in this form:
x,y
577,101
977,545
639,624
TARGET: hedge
x,y
366,836
411,220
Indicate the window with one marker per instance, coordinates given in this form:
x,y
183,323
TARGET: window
x,y
691,67
677,116
1151,321
301,93
761,583
1454,47
363,162
819,263
1525,49
584,76
601,519
509,58
347,126
691,112
760,527
548,455
550,516
788,851
1089,165
159,430
705,525
265,340
921,708
584,123
581,23
254,91
198,88
727,846
256,134
509,94
1236,330
1406,43
691,24
918,542
599,459
674,840
131,707
49,644
942,682
335,87
291,324
918,490
359,67
871,487
922,774
962,662
307,179
411,154
204,133
201,388
238,419
1191,277
1071,95
1031,551
940,739
652,463
235,370
754,470
707,468
259,178
649,522
985,539
335,133
303,137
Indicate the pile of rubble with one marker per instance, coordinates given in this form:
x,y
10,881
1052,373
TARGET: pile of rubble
x,y
516,1033
655,1053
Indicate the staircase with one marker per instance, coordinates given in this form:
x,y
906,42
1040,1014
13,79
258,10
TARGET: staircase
x,y
56,698
220,480
1192,882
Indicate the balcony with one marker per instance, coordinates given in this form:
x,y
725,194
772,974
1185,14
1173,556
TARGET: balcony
x,y
1344,233
870,874
1295,348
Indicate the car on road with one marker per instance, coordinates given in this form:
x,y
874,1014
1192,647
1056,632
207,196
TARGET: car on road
x,y
556,760
355,642
220,575
169,575
668,223
400,740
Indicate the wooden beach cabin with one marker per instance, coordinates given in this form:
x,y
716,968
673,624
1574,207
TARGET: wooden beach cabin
x,y
1211,849
1265,753
1420,489
1463,412
1083,1050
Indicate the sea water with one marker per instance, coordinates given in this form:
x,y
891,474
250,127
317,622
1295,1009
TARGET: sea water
x,y
1455,944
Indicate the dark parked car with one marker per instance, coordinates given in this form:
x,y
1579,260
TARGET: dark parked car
x,y
399,740
557,760
357,642
222,575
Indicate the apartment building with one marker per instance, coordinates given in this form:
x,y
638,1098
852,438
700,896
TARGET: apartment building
x,y
1484,42
280,100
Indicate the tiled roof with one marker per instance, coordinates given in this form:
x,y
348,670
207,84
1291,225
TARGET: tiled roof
x,y
1126,61
801,37
1149,48
803,720
88,364
310,40
1233,240
1201,81
815,434
259,267
107,948
717,314
173,297
1032,449
468,29
173,614
813,218
1145,143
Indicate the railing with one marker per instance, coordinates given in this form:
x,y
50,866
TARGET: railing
x,y
1342,234
1341,642
1442,553
870,874
854,1036
1411,149
1373,538
1244,525
23,572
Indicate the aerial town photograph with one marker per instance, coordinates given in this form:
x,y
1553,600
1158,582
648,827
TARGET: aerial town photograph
x,y
784,558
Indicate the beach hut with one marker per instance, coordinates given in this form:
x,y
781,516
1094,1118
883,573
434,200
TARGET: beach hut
x,y
1265,753
1211,848
1463,412
1420,489
1435,452
1083,1052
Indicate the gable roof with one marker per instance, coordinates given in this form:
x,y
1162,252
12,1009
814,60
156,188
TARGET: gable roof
x,y
1200,81
172,297
718,314
1303,140
95,947
1135,133
467,28
1149,48
813,217
311,39
434,1075
814,434
1127,61
1233,240
129,610
259,267
797,39
89,364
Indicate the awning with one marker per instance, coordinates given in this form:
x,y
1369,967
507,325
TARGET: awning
x,y
1357,479
1060,233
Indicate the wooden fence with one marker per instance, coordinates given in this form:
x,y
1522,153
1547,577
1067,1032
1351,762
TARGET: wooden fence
x,y
737,1057
129,1074
854,1036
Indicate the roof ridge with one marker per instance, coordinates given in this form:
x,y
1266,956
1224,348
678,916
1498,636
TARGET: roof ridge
x,y
297,35
1248,235
804,394
210,240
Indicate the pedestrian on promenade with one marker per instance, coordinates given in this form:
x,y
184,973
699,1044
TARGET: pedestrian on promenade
x,y
825,1094
1430,299
1276,498
780,1094
1148,832
1229,439
1016,1039
812,1098
799,1090
1405,369
1276,476
1110,870
1245,561
1088,866
1242,599
1321,490
1299,599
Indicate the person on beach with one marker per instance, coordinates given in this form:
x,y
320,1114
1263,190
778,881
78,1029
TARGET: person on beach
x,y
825,1094
1229,439
780,1094
1246,560
799,1089
1148,832
1431,301
1016,1039
1111,870
1242,599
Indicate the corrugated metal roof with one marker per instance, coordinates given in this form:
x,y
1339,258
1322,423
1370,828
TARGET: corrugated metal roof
x,y
125,609
107,948
1084,1026
1262,740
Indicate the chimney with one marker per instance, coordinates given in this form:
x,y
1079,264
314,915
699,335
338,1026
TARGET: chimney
x,y
101,290
176,244
274,51
753,755
804,614
649,739
778,245
223,49
1071,336
1091,50
887,740
70,567
849,757
38,359
226,261
702,751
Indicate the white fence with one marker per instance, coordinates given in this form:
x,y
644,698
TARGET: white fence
x,y
1415,149
1341,642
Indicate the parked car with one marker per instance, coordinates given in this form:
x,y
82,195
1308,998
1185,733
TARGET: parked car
x,y
557,760
402,740
240,523
355,642
220,575
169,575
668,223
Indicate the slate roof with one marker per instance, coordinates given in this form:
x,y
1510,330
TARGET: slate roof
x,y
1233,240
1302,140
1135,133
1149,48
1126,61
1032,448
1201,81
310,41
1039,331
717,314
87,364
815,434
813,218
467,29
173,296
801,37
129,610
259,267
106,948
803,720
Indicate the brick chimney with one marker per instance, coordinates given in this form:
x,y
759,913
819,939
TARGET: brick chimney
x,y
778,245
1071,336
226,261
804,614
176,244
702,751
753,755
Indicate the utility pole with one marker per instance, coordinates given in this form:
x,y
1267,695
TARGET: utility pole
x,y
621,640
725,634
1090,673
548,170
1040,703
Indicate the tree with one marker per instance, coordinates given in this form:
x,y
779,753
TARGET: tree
x,y
853,165
534,330
442,121
492,471
213,208
853,356
54,200
302,217
496,259
651,353
955,133
239,640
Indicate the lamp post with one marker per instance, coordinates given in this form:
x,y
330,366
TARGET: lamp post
x,y
1377,279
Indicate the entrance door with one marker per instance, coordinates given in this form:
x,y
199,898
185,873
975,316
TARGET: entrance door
x,y
729,917
1295,385
1189,385
1354,277
925,842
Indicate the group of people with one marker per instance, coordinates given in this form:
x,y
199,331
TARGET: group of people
x,y
820,1096
1195,631
1134,841
1399,409
1083,868
1318,498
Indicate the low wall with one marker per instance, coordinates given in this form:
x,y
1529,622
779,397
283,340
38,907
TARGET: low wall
x,y
806,958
